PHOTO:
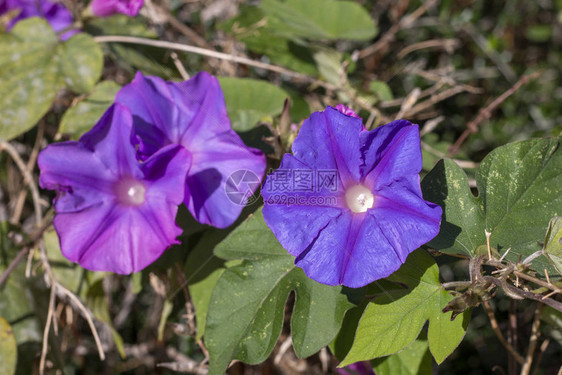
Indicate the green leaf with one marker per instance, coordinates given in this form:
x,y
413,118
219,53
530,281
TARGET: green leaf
x,y
247,305
203,270
120,24
344,340
392,321
166,311
81,70
250,100
519,190
329,62
150,60
29,75
322,19
80,118
539,33
17,305
381,89
552,317
414,360
553,243
259,34
8,348
34,66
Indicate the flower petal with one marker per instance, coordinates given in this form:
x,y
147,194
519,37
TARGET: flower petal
x,y
193,114
206,195
80,177
109,237
188,113
297,227
201,102
165,174
372,256
351,250
325,259
296,224
390,152
330,140
104,8
56,14
154,113
294,183
110,140
406,220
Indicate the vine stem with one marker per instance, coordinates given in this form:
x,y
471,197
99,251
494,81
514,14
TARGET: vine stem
x,y
499,334
213,54
533,341
27,177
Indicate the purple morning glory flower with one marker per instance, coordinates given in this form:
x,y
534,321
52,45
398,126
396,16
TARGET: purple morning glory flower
x,y
193,114
350,208
358,368
104,8
112,212
56,14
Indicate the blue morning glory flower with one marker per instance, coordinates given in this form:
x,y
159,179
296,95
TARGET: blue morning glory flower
x,y
193,114
114,213
348,203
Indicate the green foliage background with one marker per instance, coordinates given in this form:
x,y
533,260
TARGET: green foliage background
x,y
235,293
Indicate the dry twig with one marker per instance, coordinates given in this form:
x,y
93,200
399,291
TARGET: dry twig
x,y
390,35
215,54
486,112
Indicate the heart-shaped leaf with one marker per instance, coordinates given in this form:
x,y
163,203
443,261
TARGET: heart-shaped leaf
x,y
519,190
35,65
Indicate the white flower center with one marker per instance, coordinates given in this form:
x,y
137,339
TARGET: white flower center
x,y
359,198
130,192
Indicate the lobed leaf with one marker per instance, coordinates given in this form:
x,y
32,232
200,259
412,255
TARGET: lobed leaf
x,y
393,320
247,306
203,270
414,360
